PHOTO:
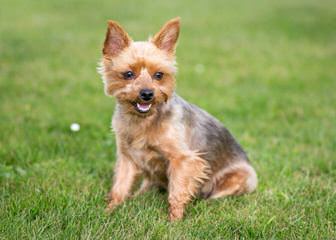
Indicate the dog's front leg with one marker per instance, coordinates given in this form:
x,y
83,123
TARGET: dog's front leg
x,y
179,195
187,171
124,177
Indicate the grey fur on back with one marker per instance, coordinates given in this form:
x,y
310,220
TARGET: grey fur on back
x,y
209,136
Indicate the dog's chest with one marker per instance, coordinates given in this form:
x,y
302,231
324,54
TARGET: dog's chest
x,y
151,162
142,144
148,160
145,156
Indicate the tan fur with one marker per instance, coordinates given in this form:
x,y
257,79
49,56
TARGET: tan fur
x,y
116,40
156,144
235,180
166,38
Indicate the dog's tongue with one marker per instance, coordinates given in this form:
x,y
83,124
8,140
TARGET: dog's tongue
x,y
143,107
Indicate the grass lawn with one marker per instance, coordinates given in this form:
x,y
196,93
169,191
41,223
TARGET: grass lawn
x,y
266,69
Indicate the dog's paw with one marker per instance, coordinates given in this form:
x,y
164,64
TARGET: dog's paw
x,y
111,206
175,214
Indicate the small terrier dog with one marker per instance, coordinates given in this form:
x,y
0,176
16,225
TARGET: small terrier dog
x,y
160,137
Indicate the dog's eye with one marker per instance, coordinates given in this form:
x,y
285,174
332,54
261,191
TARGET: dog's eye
x,y
158,75
128,75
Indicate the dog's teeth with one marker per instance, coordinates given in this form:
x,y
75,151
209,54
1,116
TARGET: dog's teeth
x,y
143,107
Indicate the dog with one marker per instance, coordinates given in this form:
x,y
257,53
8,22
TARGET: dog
x,y
161,138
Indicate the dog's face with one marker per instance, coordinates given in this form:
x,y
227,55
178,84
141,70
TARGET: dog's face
x,y
141,75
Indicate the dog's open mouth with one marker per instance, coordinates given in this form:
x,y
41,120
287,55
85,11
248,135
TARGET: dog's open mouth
x,y
143,107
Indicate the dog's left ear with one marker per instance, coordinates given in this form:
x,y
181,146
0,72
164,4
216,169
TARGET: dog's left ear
x,y
167,37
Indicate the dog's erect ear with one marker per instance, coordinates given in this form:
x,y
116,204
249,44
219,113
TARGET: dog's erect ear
x,y
167,37
116,40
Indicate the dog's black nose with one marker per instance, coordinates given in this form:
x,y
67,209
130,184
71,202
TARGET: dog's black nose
x,y
146,94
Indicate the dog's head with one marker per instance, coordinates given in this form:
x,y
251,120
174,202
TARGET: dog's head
x,y
141,75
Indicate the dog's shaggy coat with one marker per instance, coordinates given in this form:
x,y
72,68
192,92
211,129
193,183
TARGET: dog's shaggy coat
x,y
165,140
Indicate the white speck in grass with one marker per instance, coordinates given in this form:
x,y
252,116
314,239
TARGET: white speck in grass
x,y
199,68
20,171
75,127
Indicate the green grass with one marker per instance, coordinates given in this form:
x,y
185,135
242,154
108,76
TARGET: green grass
x,y
269,76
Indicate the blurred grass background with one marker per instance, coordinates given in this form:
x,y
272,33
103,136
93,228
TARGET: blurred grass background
x,y
266,69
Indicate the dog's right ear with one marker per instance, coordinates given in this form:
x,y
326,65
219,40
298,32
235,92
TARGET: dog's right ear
x,y
116,40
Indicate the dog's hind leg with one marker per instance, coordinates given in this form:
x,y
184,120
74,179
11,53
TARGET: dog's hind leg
x,y
237,179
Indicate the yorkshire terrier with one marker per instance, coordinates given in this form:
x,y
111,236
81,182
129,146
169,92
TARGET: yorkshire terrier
x,y
161,138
